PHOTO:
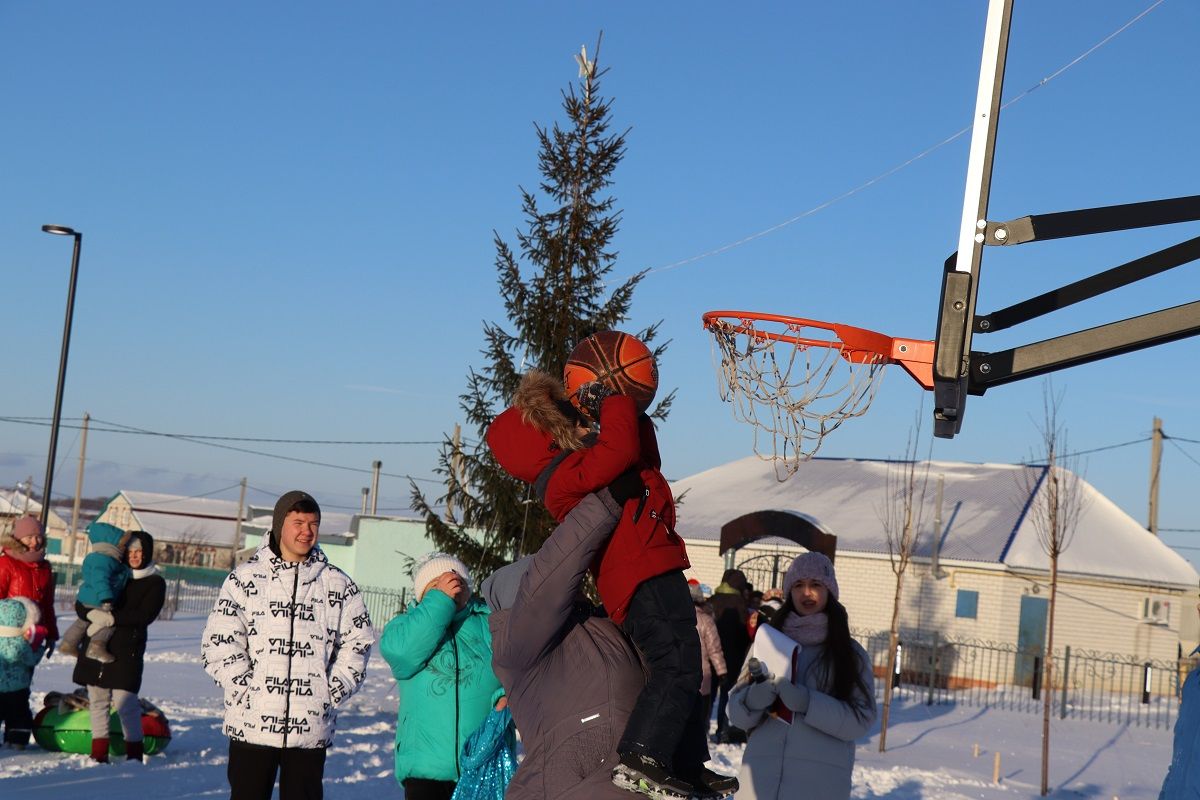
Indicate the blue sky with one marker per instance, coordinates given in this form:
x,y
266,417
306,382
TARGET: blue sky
x,y
288,212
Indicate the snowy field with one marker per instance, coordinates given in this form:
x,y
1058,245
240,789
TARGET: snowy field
x,y
930,755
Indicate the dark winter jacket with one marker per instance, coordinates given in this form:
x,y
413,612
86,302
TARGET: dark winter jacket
x,y
644,543
21,576
1183,775
572,677
729,611
133,612
104,573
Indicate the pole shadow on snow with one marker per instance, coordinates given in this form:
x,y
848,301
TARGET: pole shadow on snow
x,y
893,728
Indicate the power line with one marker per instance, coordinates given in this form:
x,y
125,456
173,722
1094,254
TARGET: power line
x,y
1090,450
1186,454
253,439
208,443
914,159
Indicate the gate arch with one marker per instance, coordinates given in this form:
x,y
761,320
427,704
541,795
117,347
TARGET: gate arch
x,y
791,525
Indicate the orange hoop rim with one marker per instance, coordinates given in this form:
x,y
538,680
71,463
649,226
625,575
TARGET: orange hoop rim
x,y
857,345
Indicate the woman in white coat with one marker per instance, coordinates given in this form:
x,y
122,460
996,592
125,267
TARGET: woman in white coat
x,y
802,731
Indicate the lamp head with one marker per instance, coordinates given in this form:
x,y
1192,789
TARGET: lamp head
x,y
59,230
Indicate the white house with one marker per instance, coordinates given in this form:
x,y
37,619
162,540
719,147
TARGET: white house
x,y
984,575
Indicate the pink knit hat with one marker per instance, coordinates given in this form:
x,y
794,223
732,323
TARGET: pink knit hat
x,y
812,566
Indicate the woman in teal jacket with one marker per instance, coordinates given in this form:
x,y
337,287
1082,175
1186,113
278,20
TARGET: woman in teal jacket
x,y
440,652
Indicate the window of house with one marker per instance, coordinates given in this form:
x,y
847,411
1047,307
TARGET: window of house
x,y
967,605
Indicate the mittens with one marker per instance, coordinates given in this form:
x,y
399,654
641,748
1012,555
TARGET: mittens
x,y
627,486
591,396
793,696
762,694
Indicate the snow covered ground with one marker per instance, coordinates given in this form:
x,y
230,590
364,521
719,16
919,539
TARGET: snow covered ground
x,y
930,753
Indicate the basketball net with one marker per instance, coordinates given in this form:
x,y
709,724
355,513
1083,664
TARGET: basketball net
x,y
793,391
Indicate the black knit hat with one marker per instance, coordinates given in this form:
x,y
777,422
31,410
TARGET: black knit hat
x,y
289,502
145,542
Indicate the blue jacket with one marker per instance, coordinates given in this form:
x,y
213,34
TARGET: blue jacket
x,y
104,574
441,658
1183,776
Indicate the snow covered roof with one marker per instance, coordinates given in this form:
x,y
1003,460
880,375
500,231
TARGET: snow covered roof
x,y
985,515
16,503
206,520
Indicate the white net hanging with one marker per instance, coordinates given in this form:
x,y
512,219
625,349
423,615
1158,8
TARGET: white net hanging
x,y
791,386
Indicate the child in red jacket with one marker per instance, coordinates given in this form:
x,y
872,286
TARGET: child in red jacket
x,y
544,441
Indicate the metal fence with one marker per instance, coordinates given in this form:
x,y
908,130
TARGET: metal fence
x,y
191,598
1085,685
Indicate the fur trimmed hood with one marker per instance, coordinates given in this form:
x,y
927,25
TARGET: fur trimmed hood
x,y
540,424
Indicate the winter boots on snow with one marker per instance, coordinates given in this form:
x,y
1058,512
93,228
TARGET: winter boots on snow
x,y
100,751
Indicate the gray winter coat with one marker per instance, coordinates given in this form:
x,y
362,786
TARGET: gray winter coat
x,y
572,677
812,758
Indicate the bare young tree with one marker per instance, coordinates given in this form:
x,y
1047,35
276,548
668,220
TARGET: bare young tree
x,y
901,514
1057,500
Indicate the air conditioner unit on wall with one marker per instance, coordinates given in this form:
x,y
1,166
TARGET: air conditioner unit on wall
x,y
1156,612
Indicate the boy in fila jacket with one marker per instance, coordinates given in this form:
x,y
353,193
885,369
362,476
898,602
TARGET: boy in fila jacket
x,y
288,641
544,441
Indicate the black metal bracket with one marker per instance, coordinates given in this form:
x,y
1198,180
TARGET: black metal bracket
x,y
1082,347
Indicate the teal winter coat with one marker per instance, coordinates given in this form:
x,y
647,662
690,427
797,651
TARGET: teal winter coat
x,y
104,574
441,658
17,658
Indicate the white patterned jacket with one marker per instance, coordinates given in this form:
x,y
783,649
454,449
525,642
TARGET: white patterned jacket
x,y
288,643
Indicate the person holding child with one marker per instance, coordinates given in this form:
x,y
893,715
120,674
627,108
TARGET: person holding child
x,y
802,725
104,577
115,685
544,440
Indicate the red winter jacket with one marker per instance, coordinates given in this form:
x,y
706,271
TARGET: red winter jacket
x,y
644,543
31,579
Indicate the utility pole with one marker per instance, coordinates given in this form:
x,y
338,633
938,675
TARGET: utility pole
x,y
1156,440
378,465
78,493
237,531
28,491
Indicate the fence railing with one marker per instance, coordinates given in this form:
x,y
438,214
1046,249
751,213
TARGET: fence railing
x,y
186,596
1085,684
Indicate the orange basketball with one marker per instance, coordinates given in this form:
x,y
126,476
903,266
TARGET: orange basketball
x,y
617,360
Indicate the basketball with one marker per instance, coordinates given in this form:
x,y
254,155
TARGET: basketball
x,y
619,361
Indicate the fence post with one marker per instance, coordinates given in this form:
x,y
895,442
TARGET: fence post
x,y
1147,673
1037,677
932,669
1066,676
896,671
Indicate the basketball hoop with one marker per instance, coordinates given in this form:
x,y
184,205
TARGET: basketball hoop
x,y
797,380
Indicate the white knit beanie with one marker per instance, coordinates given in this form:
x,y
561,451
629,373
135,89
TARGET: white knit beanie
x,y
434,565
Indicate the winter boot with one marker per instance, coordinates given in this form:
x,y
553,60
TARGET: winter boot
x,y
98,652
644,775
68,645
100,751
135,752
709,784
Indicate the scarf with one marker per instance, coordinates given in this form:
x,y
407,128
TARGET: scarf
x,y
145,572
807,630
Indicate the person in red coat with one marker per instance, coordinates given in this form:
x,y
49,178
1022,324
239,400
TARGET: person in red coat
x,y
543,440
24,572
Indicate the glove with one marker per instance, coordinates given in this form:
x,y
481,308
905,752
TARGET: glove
x,y
762,694
99,619
627,486
591,396
37,636
50,649
793,696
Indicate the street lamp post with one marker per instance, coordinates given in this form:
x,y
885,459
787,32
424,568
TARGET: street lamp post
x,y
60,230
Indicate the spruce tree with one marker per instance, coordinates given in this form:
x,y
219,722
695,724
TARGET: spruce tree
x,y
554,295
